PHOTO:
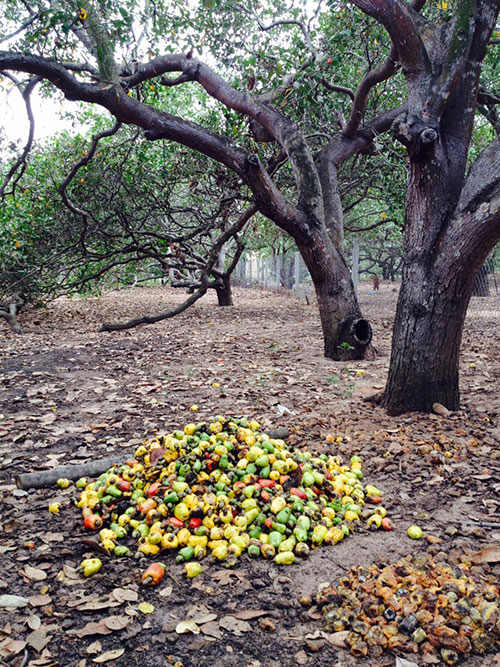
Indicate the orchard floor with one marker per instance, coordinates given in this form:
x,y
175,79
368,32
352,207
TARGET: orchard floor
x,y
70,394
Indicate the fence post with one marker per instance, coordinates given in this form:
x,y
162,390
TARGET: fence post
x,y
297,272
355,264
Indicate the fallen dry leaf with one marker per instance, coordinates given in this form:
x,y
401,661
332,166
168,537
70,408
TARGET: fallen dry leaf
x,y
91,628
13,647
45,660
338,639
98,603
441,410
235,625
125,595
95,647
211,629
116,622
203,618
109,655
486,555
402,662
34,622
301,657
38,639
225,577
34,573
39,600
166,591
187,626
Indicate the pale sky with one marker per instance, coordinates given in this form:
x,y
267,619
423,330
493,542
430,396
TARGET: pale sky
x,y
47,113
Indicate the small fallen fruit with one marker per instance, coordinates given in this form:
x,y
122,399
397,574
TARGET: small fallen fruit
x,y
63,483
415,532
90,566
154,574
55,508
387,525
92,521
192,569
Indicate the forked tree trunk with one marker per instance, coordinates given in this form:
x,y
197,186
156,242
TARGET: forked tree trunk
x,y
224,291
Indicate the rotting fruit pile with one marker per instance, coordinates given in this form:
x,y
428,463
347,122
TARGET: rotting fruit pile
x,y
416,605
224,487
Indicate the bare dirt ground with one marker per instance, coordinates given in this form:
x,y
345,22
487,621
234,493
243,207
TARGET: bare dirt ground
x,y
70,394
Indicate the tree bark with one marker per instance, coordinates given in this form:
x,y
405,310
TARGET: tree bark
x,y
426,344
224,291
432,304
442,259
346,334
452,222
10,310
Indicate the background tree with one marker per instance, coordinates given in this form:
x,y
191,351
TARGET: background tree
x,y
313,215
127,211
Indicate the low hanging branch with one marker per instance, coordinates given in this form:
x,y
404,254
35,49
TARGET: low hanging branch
x,y
213,257
151,319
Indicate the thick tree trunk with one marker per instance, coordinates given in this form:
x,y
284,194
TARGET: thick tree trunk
x,y
426,345
346,334
432,304
441,263
224,291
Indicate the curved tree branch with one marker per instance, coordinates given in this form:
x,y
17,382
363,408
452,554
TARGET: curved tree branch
x,y
337,89
151,319
21,160
281,128
397,18
82,163
211,261
370,80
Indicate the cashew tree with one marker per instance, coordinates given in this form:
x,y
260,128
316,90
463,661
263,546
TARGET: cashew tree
x,y
452,208
79,47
